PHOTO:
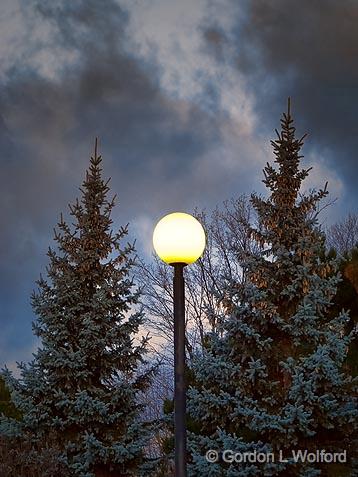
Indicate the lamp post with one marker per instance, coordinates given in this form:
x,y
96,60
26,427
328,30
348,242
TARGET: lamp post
x,y
179,239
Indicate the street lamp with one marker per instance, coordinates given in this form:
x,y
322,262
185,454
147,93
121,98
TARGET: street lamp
x,y
179,239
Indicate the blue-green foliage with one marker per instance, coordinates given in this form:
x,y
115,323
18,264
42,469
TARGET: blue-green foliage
x,y
274,379
83,382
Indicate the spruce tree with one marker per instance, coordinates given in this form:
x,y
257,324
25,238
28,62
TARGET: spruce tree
x,y
82,385
275,379
7,407
347,298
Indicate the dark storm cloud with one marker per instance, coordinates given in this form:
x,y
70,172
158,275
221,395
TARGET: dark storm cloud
x,y
47,128
308,50
216,40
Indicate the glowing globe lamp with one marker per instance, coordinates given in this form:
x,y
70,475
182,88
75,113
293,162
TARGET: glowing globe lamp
x,y
179,238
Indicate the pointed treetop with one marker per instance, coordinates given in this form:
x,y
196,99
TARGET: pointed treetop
x,y
95,147
96,159
94,171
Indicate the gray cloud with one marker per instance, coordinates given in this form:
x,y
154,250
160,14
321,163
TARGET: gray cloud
x,y
216,40
75,79
47,128
307,50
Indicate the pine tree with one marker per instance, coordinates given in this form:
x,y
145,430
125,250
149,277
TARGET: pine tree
x,y
275,380
83,383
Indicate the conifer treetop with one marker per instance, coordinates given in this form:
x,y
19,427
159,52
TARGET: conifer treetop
x,y
286,203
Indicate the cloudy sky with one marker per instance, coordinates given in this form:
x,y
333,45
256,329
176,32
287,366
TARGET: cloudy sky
x,y
184,96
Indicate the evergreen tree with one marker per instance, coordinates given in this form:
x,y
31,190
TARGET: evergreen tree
x,y
83,383
347,298
275,380
6,405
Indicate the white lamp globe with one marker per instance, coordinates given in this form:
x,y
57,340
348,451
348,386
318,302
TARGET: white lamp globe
x,y
179,238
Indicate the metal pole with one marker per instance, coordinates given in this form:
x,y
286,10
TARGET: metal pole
x,y
179,373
